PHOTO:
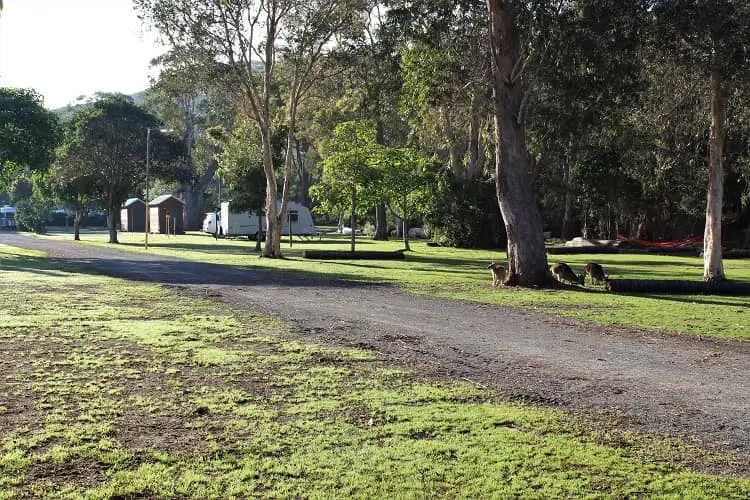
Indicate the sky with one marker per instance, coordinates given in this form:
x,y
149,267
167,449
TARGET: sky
x,y
67,48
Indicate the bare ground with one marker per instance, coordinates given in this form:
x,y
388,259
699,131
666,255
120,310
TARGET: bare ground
x,y
697,389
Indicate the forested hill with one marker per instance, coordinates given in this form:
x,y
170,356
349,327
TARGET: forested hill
x,y
67,111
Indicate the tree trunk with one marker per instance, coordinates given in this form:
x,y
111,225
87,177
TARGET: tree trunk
x,y
381,216
193,193
273,227
353,221
381,224
112,220
77,224
454,153
304,176
713,267
567,222
406,226
527,259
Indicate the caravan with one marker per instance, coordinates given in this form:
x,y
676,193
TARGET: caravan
x,y
7,217
231,224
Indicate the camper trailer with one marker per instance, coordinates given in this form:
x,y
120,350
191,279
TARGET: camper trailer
x,y
7,217
298,221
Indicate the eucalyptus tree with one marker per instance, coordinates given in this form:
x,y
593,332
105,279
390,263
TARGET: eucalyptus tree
x,y
374,80
527,258
249,36
710,38
181,97
28,133
445,98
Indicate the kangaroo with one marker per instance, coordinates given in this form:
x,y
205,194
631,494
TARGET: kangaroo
x,y
595,272
564,273
498,273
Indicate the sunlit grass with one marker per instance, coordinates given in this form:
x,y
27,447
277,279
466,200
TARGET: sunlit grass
x,y
199,401
462,274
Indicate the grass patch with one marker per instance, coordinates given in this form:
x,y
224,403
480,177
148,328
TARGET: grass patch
x,y
462,274
200,401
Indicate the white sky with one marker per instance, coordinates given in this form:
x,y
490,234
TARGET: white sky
x,y
67,48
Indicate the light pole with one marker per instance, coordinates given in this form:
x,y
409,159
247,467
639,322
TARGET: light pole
x,y
148,160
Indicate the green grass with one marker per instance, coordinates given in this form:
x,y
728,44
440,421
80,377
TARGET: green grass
x,y
462,274
106,393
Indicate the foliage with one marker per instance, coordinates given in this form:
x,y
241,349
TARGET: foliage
x,y
347,182
465,214
33,213
187,96
405,182
28,133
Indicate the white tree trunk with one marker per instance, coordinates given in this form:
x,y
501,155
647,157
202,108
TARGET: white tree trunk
x,y
713,267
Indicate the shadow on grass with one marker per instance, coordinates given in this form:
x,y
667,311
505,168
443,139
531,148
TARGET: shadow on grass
x,y
693,299
178,272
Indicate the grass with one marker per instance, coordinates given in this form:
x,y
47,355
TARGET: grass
x,y
106,393
462,274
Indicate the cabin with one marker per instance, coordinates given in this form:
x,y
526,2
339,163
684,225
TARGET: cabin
x,y
133,216
167,215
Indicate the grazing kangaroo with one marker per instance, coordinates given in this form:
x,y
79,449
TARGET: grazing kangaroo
x,y
564,273
595,272
498,273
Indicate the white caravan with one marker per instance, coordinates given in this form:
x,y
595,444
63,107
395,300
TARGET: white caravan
x,y
298,221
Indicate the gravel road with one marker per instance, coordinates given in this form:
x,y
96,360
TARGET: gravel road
x,y
680,385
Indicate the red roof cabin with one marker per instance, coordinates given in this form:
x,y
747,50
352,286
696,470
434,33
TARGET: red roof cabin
x,y
133,216
166,215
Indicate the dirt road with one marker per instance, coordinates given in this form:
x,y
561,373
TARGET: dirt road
x,y
680,385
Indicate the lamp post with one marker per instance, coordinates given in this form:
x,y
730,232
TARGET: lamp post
x,y
148,160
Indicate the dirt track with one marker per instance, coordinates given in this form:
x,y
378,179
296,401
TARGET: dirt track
x,y
680,385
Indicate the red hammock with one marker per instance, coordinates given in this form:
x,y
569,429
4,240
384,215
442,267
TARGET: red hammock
x,y
661,244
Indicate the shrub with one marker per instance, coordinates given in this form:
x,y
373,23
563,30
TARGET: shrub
x,y
32,214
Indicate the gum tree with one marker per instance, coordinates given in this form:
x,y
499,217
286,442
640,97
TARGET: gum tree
x,y
527,258
711,39
249,37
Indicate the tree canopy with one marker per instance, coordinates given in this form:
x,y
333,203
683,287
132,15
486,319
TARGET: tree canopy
x,y
28,133
105,151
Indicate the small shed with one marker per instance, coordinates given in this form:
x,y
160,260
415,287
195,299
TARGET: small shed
x,y
166,215
133,216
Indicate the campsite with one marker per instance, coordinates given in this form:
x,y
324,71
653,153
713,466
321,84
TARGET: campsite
x,y
374,249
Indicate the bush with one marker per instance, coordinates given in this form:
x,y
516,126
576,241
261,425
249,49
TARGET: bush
x,y
465,214
32,214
